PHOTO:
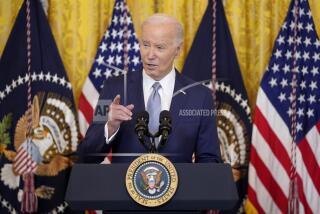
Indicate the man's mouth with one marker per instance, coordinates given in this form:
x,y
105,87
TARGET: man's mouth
x,y
151,66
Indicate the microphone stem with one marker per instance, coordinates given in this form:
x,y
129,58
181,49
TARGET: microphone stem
x,y
153,145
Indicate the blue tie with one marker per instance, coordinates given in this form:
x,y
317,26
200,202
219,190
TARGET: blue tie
x,y
154,108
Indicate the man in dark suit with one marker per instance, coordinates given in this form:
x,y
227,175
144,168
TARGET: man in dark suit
x,y
158,87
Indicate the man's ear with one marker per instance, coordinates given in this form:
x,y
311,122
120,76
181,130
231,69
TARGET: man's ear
x,y
178,49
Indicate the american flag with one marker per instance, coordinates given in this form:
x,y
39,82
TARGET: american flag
x,y
109,61
270,163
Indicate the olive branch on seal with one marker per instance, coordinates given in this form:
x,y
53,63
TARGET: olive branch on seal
x,y
5,125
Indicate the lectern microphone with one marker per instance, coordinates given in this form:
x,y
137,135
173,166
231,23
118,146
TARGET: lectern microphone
x,y
141,129
165,126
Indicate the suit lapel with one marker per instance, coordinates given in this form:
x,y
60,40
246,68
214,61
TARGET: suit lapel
x,y
178,100
135,92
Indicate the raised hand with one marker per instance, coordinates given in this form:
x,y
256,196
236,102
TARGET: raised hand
x,y
117,114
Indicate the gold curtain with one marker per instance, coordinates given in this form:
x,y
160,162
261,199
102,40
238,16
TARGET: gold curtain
x,y
8,13
78,27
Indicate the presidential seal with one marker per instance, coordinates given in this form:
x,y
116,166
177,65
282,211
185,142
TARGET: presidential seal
x,y
151,180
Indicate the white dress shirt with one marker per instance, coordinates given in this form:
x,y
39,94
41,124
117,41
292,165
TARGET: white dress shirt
x,y
165,92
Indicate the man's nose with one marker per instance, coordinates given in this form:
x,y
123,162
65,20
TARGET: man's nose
x,y
151,53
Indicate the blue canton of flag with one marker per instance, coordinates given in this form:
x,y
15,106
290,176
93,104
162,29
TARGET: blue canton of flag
x,y
109,61
110,55
278,81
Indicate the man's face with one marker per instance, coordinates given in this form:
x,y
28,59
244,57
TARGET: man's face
x,y
158,48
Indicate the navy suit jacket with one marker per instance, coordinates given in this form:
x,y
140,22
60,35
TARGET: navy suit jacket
x,y
193,124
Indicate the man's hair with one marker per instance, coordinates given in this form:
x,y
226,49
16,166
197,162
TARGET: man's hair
x,y
161,18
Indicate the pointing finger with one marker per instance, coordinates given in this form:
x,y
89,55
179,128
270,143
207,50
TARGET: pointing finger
x,y
116,100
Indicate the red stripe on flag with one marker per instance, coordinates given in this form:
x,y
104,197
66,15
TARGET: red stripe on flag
x,y
19,165
27,167
19,150
21,155
85,108
253,199
272,140
91,212
22,170
269,182
302,197
311,163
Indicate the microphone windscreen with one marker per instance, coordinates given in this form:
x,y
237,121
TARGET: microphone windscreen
x,y
143,114
164,114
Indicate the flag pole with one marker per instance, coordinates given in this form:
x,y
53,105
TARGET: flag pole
x,y
214,52
29,198
125,53
293,199
214,64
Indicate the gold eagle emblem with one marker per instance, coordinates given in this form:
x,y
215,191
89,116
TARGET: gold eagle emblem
x,y
152,180
54,134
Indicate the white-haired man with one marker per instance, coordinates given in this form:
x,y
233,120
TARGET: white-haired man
x,y
157,87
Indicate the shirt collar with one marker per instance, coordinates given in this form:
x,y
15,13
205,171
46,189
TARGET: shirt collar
x,y
165,82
